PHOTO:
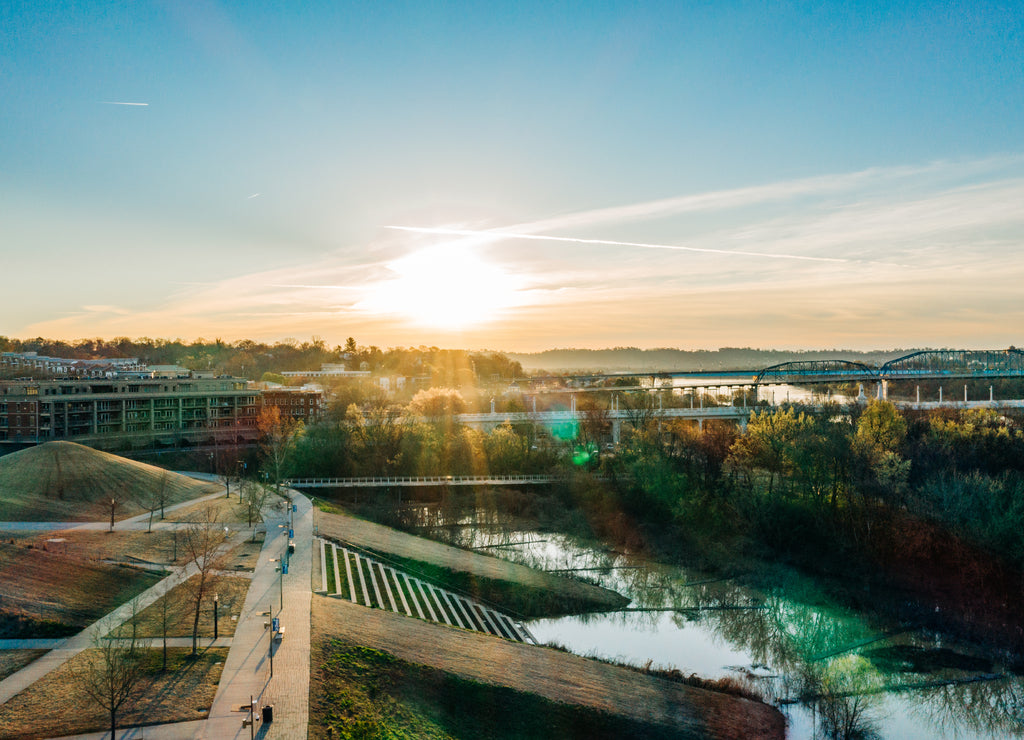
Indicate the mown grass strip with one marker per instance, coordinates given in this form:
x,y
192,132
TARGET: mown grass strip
x,y
401,591
416,600
337,573
378,600
362,580
332,586
321,551
387,587
351,584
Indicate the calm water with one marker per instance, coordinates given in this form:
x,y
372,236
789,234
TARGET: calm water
x,y
900,684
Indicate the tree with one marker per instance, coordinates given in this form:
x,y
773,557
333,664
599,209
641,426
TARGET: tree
x,y
378,433
202,543
640,408
110,671
437,405
768,443
253,499
157,499
277,438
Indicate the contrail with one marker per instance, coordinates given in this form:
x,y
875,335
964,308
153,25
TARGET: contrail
x,y
118,102
644,245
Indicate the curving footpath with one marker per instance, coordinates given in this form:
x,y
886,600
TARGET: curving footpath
x,y
247,669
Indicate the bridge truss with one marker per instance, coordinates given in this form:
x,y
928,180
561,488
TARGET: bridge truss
x,y
1002,363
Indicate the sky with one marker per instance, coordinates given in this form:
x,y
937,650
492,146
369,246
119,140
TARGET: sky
x,y
515,176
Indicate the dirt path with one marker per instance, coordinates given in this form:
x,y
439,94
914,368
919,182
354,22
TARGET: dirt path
x,y
546,672
384,539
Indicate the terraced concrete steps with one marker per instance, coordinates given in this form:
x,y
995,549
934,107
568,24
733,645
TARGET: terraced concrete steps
x,y
369,582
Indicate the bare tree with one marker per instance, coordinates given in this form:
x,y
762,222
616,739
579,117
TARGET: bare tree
x,y
110,671
640,408
156,499
202,542
166,615
253,500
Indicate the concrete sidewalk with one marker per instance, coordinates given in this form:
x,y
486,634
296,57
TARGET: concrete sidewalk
x,y
247,669
71,646
139,521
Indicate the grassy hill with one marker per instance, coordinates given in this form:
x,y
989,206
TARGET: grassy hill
x,y
64,481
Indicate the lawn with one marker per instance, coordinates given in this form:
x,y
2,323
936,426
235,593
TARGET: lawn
x,y
12,661
55,706
231,591
49,594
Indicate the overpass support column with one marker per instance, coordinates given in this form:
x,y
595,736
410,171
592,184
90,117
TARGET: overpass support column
x,y
616,432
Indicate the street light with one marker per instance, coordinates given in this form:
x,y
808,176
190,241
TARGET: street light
x,y
216,603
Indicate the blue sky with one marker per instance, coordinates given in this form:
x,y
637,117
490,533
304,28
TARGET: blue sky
x,y
251,195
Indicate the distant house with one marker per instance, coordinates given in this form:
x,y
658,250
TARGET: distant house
x,y
300,404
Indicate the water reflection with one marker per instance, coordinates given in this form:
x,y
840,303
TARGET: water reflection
x,y
832,670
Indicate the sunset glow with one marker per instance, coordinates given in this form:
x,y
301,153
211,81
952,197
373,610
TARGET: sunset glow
x,y
443,287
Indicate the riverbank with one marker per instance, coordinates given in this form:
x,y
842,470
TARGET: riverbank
x,y
599,689
486,577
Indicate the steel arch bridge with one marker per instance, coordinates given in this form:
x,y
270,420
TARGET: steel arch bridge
x,y
990,363
816,371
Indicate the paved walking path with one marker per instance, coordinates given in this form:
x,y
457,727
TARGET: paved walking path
x,y
247,669
140,521
35,670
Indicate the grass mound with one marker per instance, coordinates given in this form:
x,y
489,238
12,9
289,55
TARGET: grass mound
x,y
70,482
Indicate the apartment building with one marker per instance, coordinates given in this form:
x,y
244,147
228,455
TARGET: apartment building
x,y
140,412
295,403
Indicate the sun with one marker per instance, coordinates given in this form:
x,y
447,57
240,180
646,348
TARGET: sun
x,y
444,287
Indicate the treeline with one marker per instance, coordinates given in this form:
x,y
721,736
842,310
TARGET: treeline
x,y
248,359
921,503
380,438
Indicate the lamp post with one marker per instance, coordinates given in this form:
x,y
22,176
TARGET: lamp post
x,y
216,603
270,647
113,505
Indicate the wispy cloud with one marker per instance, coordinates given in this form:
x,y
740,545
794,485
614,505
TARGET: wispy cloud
x,y
830,278
121,102
607,242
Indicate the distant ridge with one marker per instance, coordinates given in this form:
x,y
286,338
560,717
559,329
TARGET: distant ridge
x,y
70,482
633,359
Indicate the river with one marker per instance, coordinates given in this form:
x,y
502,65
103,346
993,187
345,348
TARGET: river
x,y
786,641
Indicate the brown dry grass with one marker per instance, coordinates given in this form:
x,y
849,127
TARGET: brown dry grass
x,y
154,547
384,539
53,707
230,589
12,661
226,509
64,481
49,586
549,673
